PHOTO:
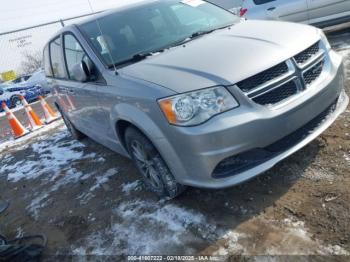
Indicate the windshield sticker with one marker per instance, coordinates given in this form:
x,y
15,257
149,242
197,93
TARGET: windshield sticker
x,y
193,3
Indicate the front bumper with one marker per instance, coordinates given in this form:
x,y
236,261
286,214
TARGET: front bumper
x,y
194,153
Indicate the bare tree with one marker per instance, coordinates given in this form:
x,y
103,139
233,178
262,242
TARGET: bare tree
x,y
31,62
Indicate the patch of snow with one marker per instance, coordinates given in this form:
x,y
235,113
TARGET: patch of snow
x,y
336,250
22,142
130,187
314,247
37,203
51,156
146,227
104,178
231,244
318,174
296,227
42,199
100,180
19,232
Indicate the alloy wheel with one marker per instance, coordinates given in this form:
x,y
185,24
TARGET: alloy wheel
x,y
146,164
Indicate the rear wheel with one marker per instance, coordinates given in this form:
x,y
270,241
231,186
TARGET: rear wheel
x,y
76,134
155,173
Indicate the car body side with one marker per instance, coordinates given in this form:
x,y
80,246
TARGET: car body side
x,y
124,97
319,13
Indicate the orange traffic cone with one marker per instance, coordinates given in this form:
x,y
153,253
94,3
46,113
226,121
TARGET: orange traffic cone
x,y
34,120
18,129
50,115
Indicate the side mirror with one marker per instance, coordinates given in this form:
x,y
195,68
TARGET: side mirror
x,y
79,73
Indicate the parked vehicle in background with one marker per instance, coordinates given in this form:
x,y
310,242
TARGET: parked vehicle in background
x,y
20,79
231,5
193,94
38,79
11,95
315,12
30,86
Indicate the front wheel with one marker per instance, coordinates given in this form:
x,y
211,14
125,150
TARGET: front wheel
x,y
155,173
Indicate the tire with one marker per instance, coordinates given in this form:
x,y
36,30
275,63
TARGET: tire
x,y
15,101
154,171
75,133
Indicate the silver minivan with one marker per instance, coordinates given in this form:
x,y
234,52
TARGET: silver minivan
x,y
193,94
316,12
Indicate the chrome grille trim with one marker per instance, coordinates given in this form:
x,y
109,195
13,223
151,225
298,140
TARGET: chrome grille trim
x,y
308,54
263,77
309,62
300,74
267,85
278,94
274,87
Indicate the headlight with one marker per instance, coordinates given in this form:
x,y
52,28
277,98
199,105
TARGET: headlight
x,y
197,107
325,40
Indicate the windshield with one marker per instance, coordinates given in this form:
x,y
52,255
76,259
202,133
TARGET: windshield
x,y
153,26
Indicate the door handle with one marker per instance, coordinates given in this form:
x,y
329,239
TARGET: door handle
x,y
271,8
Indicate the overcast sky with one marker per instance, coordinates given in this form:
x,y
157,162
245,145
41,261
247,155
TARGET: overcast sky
x,y
16,14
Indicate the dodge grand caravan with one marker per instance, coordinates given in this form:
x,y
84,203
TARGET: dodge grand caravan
x,y
191,93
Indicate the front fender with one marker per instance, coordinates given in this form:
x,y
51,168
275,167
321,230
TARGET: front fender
x,y
137,117
140,118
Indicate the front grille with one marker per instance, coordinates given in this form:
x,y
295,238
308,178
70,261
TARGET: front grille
x,y
277,95
263,77
313,73
304,56
298,72
242,162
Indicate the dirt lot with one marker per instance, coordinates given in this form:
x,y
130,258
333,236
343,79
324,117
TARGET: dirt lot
x,y
89,201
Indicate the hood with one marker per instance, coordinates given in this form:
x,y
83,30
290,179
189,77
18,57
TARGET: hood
x,y
226,56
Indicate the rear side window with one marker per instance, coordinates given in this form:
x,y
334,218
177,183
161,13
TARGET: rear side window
x,y
56,59
47,64
261,2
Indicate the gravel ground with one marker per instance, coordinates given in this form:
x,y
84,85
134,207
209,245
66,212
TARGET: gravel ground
x,y
89,200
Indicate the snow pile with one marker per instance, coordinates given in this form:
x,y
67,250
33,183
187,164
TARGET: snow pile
x,y
50,156
101,180
147,227
53,158
232,247
131,187
22,142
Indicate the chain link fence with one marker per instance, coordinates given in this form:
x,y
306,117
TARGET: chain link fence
x,y
21,50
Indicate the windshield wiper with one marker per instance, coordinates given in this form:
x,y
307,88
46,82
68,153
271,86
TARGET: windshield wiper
x,y
197,34
137,57
200,33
